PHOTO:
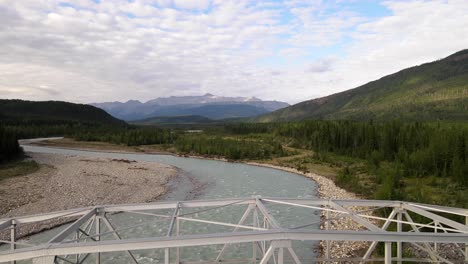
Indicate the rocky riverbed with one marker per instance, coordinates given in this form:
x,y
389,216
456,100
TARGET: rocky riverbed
x,y
66,182
327,189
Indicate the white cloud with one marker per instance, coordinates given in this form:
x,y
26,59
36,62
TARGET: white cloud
x,y
119,50
321,65
318,29
292,53
192,4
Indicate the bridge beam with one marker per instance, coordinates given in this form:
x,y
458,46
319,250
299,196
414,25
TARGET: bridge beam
x,y
280,245
117,236
327,227
438,218
241,222
272,234
388,252
355,217
73,227
266,213
98,237
466,244
371,248
399,244
222,238
426,247
267,255
13,237
169,232
44,260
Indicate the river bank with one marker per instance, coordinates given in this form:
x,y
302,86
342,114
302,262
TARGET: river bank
x,y
327,189
66,182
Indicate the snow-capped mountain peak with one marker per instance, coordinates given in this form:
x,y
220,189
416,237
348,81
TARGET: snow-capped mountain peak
x,y
178,105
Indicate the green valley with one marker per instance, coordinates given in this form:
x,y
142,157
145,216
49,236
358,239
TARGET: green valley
x,y
378,140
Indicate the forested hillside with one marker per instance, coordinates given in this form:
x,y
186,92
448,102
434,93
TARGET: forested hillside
x,y
424,162
172,120
432,91
29,119
9,147
52,112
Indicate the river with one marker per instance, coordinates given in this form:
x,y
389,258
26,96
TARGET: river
x,y
209,179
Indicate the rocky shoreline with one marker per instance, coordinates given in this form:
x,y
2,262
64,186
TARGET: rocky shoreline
x,y
66,182
327,189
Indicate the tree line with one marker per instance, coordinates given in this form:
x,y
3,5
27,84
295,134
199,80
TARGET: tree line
x,y
130,136
200,144
419,149
231,148
9,147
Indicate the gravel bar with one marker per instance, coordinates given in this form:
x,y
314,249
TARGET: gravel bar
x,y
67,182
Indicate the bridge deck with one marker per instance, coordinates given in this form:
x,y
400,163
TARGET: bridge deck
x,y
259,235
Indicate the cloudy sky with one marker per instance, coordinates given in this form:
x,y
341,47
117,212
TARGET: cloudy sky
x,y
289,50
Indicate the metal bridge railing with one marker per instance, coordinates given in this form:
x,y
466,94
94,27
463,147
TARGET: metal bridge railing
x,y
92,232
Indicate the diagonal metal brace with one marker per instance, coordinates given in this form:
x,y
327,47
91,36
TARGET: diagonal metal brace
x,y
73,227
266,213
355,217
117,236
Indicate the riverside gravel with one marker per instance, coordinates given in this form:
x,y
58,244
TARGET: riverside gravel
x,y
66,182
327,189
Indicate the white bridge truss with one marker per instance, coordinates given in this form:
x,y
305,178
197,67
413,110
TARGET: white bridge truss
x,y
94,233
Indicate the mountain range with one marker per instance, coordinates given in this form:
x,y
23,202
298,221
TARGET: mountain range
x,y
174,120
208,105
433,91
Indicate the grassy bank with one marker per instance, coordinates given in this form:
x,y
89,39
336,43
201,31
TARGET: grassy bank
x,y
16,168
360,177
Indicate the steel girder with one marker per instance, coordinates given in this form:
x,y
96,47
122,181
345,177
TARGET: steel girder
x,y
89,226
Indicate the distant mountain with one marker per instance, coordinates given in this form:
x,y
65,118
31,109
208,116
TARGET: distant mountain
x,y
431,91
19,111
170,120
204,99
208,105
